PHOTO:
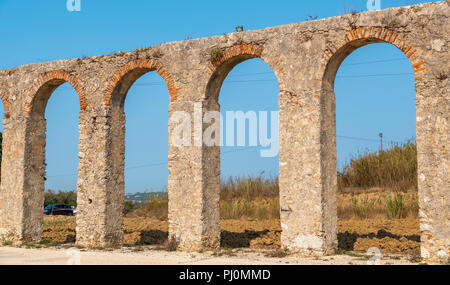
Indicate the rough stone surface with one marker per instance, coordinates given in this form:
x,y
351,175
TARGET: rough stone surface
x,y
305,58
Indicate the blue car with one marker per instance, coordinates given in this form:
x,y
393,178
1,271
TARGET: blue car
x,y
59,209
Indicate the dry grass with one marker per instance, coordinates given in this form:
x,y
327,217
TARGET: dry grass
x,y
240,208
247,198
371,204
394,168
381,185
249,188
378,205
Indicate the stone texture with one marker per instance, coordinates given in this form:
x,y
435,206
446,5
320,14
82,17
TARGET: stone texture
x,y
305,58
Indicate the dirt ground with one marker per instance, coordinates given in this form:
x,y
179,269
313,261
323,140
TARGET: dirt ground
x,y
131,256
390,236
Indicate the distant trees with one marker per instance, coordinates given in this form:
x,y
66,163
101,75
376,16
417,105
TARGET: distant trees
x,y
60,197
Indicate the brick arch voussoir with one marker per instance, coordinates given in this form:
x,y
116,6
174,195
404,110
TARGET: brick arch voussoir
x,y
237,50
151,65
252,51
385,35
6,104
52,75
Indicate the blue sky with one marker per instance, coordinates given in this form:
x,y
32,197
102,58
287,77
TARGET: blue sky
x,y
374,88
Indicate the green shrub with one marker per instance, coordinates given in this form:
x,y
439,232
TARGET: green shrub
x,y
363,207
395,205
129,206
216,53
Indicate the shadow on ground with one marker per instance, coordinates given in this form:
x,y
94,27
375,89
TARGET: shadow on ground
x,y
237,240
347,240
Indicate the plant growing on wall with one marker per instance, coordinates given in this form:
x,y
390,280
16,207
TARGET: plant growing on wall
x,y
216,53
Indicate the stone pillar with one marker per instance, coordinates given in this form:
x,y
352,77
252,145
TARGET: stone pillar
x,y
194,182
328,166
22,185
304,197
12,183
432,103
101,179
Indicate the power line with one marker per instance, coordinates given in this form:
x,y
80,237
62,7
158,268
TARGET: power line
x,y
223,153
374,61
126,168
146,165
150,83
345,64
271,72
237,150
62,175
374,75
358,138
247,74
367,139
274,80
164,163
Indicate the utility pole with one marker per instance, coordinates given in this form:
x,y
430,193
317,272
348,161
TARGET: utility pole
x,y
381,137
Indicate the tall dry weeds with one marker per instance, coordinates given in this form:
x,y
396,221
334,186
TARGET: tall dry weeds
x,y
394,168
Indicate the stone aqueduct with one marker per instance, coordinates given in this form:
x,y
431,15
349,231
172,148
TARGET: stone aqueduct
x,y
305,58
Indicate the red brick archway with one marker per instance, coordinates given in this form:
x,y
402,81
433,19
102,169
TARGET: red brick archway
x,y
367,35
56,77
249,50
226,59
334,54
146,65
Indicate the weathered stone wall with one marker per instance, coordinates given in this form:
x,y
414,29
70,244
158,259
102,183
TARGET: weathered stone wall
x,y
305,58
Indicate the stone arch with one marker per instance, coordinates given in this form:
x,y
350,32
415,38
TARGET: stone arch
x,y
113,97
123,79
335,53
35,141
6,104
226,61
333,56
44,87
245,50
219,68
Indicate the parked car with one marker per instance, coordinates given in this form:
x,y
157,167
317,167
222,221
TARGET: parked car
x,y
59,209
